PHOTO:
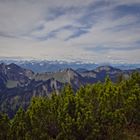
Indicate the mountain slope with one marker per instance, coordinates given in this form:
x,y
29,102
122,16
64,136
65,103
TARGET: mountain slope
x,y
19,85
12,76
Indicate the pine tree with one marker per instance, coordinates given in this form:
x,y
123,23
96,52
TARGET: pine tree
x,y
4,127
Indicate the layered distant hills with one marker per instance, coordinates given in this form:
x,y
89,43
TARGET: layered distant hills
x,y
53,66
18,85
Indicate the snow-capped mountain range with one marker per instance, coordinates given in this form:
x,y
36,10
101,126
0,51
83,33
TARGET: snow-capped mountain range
x,y
55,65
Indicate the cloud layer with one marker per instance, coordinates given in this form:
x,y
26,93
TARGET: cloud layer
x,y
95,30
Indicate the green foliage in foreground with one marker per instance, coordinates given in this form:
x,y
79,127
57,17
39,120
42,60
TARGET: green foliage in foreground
x,y
96,112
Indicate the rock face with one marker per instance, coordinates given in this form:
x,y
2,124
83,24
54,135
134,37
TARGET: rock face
x,y
13,75
19,85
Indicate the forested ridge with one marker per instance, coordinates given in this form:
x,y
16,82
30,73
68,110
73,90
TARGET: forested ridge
x,y
102,111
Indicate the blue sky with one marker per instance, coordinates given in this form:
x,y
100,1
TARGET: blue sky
x,y
73,30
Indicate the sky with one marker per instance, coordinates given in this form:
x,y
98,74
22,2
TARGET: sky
x,y
72,30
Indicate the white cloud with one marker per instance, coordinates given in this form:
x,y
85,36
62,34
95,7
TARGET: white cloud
x,y
25,30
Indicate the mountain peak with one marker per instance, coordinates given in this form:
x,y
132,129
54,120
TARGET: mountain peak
x,y
68,69
105,68
13,66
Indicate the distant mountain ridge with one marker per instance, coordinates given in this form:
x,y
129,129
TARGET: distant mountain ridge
x,y
24,77
18,85
54,66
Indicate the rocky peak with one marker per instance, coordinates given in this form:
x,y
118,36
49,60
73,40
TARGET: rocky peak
x,y
14,66
105,68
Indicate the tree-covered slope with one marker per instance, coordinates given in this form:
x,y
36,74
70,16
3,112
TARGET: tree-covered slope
x,y
102,111
19,85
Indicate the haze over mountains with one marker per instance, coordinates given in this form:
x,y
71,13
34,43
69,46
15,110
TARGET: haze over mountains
x,y
53,66
18,85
